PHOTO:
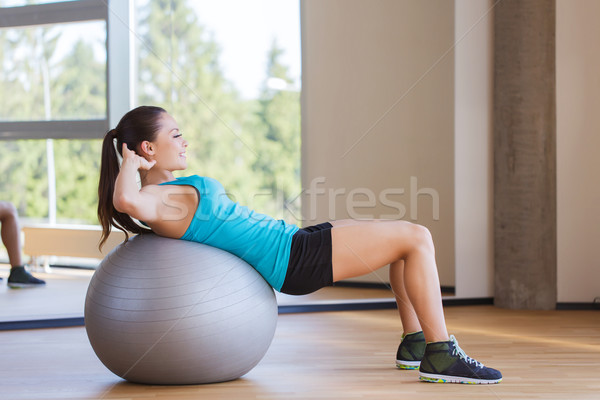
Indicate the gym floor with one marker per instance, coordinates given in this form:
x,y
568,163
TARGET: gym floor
x,y
337,355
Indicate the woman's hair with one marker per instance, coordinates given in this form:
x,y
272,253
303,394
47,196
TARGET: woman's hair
x,y
138,125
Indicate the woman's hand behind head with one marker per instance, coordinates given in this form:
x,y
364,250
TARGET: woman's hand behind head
x,y
130,157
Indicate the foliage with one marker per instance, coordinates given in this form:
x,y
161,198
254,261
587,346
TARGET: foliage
x,y
278,138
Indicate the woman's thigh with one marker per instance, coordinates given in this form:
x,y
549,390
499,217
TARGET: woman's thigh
x,y
361,247
346,222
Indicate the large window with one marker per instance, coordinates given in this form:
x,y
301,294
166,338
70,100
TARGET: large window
x,y
228,71
53,70
53,77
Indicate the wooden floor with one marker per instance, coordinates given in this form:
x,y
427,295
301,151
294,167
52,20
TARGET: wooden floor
x,y
342,355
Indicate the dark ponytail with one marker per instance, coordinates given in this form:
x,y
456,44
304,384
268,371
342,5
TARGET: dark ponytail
x,y
138,125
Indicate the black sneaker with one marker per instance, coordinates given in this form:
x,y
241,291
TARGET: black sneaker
x,y
410,351
447,362
20,278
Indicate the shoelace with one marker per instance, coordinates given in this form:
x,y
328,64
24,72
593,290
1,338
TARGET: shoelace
x,y
461,353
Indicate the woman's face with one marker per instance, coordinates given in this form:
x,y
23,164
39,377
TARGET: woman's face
x,y
168,149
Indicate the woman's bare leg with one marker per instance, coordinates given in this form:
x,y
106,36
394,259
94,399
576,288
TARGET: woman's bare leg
x,y
363,247
10,232
408,316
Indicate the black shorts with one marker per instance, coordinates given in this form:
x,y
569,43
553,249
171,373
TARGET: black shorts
x,y
309,268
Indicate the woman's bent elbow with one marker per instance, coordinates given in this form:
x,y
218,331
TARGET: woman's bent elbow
x,y
122,204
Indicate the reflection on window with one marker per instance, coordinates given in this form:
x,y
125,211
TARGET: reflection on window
x,y
19,3
53,72
24,179
228,71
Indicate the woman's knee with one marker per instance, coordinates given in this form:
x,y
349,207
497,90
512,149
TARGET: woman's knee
x,y
418,236
424,238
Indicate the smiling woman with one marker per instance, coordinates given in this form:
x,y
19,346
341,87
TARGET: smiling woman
x,y
292,260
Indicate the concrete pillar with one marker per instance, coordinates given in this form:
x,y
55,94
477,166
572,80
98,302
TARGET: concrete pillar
x,y
525,154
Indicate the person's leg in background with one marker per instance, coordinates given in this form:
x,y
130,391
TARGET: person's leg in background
x,y
10,232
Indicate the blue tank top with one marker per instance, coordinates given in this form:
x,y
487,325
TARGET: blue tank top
x,y
258,239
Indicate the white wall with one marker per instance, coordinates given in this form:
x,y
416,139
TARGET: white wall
x,y
361,57
473,144
578,149
378,109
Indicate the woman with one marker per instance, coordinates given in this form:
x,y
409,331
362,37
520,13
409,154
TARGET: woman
x,y
292,260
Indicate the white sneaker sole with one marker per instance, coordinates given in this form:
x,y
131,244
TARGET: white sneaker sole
x,y
455,379
403,364
15,285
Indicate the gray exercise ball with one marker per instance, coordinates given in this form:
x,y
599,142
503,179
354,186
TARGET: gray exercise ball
x,y
167,311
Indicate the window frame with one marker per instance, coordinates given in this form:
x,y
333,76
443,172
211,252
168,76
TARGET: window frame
x,y
119,18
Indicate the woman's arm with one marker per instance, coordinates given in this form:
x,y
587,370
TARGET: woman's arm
x,y
127,198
